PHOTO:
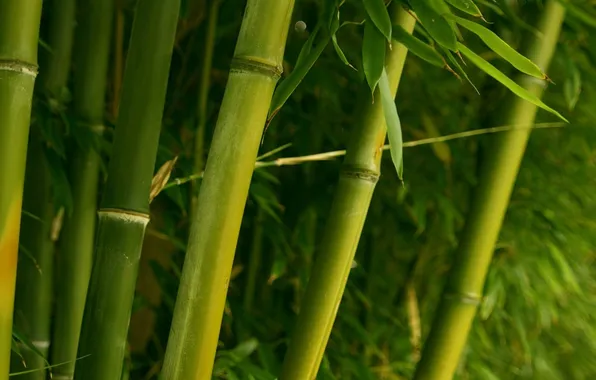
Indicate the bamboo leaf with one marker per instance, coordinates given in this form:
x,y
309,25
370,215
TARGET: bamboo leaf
x,y
393,124
510,84
377,12
289,85
460,69
417,47
436,25
466,6
573,84
340,52
503,49
373,54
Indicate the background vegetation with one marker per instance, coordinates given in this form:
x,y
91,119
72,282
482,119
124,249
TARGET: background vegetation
x,y
537,316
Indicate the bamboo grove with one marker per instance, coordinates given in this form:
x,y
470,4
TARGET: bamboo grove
x,y
297,189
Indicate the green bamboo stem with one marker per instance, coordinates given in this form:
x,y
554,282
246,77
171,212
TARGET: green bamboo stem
x,y
256,68
124,211
361,170
199,148
19,33
448,335
33,300
73,265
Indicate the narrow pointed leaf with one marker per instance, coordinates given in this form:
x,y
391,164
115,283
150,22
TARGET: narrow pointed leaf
x,y
417,47
393,124
501,47
510,84
307,47
460,69
373,54
303,66
377,12
436,25
466,6
340,52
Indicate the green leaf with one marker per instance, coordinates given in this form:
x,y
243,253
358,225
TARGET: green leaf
x,y
466,6
340,52
417,47
500,47
373,54
510,84
460,69
436,25
393,124
377,12
303,66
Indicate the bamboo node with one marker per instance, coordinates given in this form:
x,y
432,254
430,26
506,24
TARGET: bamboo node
x,y
255,65
360,173
465,298
126,216
18,66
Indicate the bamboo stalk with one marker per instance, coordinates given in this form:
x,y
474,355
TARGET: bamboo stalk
x,y
19,33
448,335
76,248
124,211
205,85
33,300
361,170
256,67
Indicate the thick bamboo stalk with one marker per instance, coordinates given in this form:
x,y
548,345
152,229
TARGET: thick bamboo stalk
x,y
77,238
361,170
124,211
19,33
256,67
33,301
448,335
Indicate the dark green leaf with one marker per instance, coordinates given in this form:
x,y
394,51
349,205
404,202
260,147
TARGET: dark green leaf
x,y
377,12
466,6
417,47
436,25
373,54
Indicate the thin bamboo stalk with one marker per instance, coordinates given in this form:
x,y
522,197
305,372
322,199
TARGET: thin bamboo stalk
x,y
205,85
448,335
19,33
76,248
361,170
33,301
256,67
124,211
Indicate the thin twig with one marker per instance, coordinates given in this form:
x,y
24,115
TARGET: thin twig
x,y
326,156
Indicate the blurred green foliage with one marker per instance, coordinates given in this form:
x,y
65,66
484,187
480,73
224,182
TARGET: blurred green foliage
x,y
538,316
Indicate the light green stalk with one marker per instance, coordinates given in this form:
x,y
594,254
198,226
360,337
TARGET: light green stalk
x,y
19,34
73,265
361,170
33,300
256,67
448,335
124,211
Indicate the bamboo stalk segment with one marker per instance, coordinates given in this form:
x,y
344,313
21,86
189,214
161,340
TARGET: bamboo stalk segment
x,y
19,33
361,170
124,211
255,70
463,293
73,264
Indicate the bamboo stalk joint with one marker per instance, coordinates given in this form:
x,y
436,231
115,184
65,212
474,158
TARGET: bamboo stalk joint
x,y
18,66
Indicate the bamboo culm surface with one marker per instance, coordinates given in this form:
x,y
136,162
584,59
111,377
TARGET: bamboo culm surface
x,y
124,211
255,70
33,300
19,34
73,264
360,172
463,292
